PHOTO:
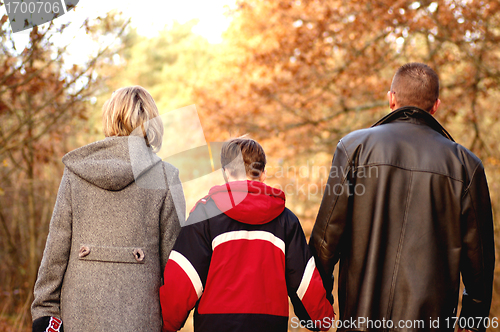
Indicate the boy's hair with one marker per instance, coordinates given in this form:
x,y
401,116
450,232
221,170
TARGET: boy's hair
x,y
252,153
130,108
416,84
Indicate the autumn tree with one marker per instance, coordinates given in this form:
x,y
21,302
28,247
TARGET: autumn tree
x,y
300,74
303,69
42,100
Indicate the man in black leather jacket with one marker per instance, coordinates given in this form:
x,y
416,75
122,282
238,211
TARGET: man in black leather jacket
x,y
407,210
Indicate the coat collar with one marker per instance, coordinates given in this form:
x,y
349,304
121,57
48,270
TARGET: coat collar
x,y
414,114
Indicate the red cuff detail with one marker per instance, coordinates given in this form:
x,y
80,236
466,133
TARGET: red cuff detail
x,y
315,301
177,297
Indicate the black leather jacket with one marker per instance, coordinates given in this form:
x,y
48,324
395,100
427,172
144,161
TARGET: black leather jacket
x,y
406,210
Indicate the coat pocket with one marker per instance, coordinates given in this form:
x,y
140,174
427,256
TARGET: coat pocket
x,y
134,255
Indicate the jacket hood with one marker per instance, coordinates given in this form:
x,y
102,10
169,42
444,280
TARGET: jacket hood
x,y
249,202
414,114
113,163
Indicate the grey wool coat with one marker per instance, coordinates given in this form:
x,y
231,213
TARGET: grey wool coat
x,y
116,218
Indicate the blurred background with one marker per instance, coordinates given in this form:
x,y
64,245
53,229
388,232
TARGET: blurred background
x,y
295,75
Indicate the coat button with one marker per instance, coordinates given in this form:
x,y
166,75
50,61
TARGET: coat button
x,y
139,254
84,251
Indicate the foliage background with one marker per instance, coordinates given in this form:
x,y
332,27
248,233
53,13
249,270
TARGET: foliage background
x,y
296,75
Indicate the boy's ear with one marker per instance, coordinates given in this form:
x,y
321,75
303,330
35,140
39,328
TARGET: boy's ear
x,y
263,176
224,174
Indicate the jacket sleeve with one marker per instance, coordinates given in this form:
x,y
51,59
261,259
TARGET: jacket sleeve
x,y
332,217
478,250
47,291
185,274
304,284
172,216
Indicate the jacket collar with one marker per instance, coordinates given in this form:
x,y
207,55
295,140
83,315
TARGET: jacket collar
x,y
249,202
414,114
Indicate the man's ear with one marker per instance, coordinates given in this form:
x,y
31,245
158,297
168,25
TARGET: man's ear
x,y
435,107
392,100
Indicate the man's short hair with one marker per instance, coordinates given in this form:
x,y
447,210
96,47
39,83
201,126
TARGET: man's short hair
x,y
416,84
130,108
252,153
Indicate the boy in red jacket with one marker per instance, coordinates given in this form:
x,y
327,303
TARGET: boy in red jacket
x,y
243,259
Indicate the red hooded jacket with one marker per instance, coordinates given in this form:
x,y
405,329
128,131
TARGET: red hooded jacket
x,y
238,260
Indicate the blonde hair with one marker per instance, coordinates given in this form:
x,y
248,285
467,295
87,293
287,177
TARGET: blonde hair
x,y
130,108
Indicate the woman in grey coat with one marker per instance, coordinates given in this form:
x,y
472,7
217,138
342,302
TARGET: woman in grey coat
x,y
116,218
